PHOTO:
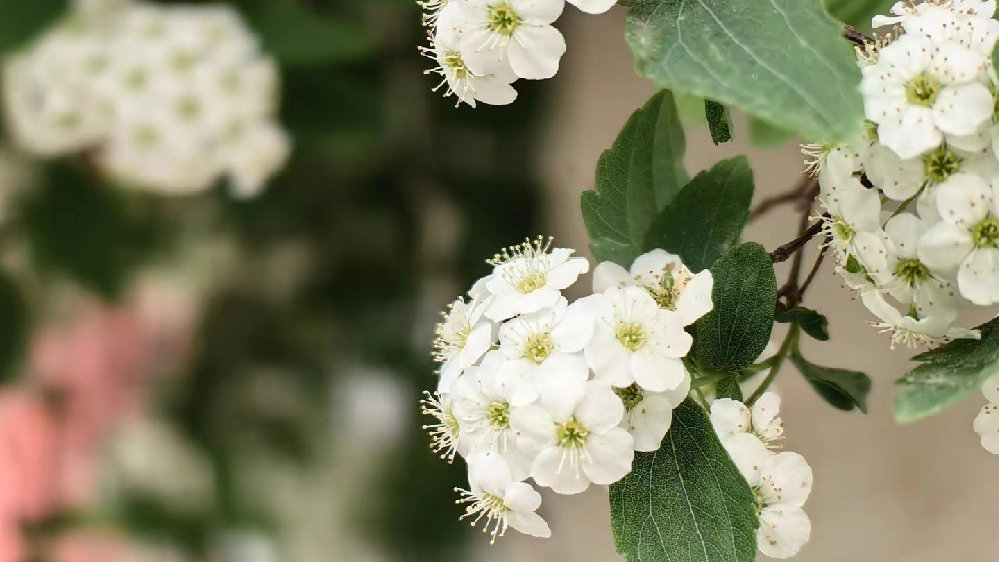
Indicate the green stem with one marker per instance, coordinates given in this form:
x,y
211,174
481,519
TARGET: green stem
x,y
902,206
779,359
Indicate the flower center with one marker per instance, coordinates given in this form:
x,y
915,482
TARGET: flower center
x,y
503,20
631,396
453,61
871,130
985,233
758,500
923,90
940,164
498,413
532,281
842,230
538,348
571,435
911,271
631,335
494,504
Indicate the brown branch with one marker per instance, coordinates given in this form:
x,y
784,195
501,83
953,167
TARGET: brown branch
x,y
787,197
852,35
813,271
785,251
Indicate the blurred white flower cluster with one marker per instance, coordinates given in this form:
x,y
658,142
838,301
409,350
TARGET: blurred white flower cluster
x,y
564,393
911,206
781,481
987,422
481,47
166,98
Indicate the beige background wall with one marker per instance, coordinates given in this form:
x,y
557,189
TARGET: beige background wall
x,y
921,493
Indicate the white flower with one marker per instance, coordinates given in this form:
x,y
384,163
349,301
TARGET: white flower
x,y
490,85
482,400
908,279
781,488
575,438
909,330
967,22
254,156
501,501
636,341
919,90
852,209
987,422
516,31
593,6
542,344
462,339
732,420
446,440
648,414
666,278
966,238
529,277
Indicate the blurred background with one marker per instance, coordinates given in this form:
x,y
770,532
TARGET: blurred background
x,y
207,377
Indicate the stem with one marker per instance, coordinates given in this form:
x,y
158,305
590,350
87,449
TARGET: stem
x,y
782,253
779,359
789,196
812,272
852,35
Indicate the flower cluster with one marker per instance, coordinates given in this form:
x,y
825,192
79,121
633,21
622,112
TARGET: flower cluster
x,y
781,481
532,385
911,205
481,47
987,423
166,98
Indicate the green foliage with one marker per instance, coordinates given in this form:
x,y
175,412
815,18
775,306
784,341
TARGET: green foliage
x,y
640,174
686,502
811,322
736,331
22,20
783,61
765,135
843,389
858,12
14,325
93,234
946,374
708,215
719,123
729,387
296,35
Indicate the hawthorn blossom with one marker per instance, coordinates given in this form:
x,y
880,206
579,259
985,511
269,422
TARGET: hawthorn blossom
x,y
648,415
519,32
530,277
547,342
462,339
781,488
909,330
987,422
499,500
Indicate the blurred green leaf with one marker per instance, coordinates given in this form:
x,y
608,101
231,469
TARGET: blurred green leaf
x,y
946,374
296,35
765,135
14,322
811,322
22,20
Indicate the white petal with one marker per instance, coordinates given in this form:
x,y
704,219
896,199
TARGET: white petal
x,y
911,133
593,6
764,415
608,358
783,531
786,478
978,277
565,274
749,454
649,421
600,408
944,246
609,274
529,523
649,267
537,11
533,426
959,110
493,91
729,417
489,472
905,230
521,497
534,51
964,199
609,456
986,425
656,372
550,470
899,179
575,329
695,300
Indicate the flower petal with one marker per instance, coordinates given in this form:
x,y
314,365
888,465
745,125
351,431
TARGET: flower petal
x,y
609,456
609,274
783,531
978,277
534,51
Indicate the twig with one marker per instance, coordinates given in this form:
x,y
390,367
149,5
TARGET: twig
x,y
813,271
782,253
852,35
787,197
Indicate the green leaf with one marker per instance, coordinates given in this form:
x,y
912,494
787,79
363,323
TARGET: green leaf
x,y
22,20
843,389
729,387
686,502
735,332
858,12
708,215
636,177
719,122
765,135
947,374
14,321
783,61
296,35
811,322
